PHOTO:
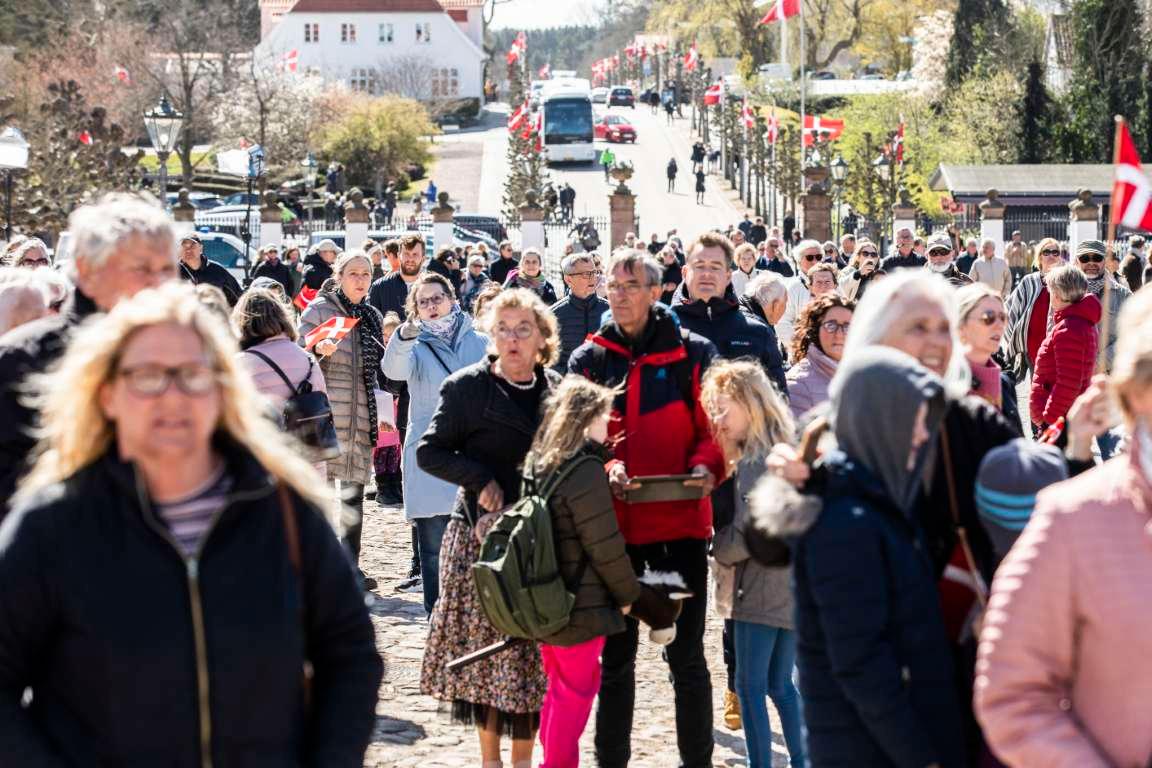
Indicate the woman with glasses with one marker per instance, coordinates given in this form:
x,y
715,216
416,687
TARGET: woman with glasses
x,y
1029,311
982,319
436,341
528,275
30,254
173,593
351,366
862,269
474,280
481,432
817,345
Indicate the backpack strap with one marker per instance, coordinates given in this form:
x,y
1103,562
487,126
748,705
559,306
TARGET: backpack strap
x,y
303,388
546,488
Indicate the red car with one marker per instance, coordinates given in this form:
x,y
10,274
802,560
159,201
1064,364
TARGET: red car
x,y
614,128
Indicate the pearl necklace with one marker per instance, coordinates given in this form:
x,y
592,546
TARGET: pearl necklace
x,y
516,384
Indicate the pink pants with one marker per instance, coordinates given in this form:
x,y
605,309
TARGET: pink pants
x,y
573,682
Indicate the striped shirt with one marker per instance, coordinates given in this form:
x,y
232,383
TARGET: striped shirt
x,y
189,518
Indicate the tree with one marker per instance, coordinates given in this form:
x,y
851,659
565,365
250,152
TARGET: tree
x,y
1036,117
376,138
977,24
982,120
889,30
526,167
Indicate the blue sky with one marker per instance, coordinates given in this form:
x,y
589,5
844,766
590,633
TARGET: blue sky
x,y
537,14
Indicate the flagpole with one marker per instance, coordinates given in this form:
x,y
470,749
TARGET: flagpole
x,y
1106,323
803,88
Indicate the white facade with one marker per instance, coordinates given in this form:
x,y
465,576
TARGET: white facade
x,y
422,55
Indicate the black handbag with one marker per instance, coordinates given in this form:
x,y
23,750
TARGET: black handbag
x,y
307,415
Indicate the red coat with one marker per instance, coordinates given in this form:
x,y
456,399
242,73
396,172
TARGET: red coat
x,y
1065,361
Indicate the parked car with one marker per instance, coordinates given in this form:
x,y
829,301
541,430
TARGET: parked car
x,y
614,128
622,96
489,225
200,200
823,75
227,251
242,199
599,95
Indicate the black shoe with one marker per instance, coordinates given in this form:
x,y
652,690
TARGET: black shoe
x,y
410,584
367,581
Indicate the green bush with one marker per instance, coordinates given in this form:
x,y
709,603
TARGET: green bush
x,y
376,138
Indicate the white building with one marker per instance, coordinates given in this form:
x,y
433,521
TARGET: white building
x,y
425,49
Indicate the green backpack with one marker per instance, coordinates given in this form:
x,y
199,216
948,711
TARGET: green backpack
x,y
517,575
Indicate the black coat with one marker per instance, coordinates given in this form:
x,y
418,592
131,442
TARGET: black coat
x,y
912,261
25,352
876,673
98,619
735,333
478,434
389,294
500,268
278,271
316,271
576,319
211,273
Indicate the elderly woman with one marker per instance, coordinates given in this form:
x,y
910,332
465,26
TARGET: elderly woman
x,y
159,485
30,254
1029,309
436,341
745,268
350,369
980,311
478,438
268,347
474,280
528,275
1065,667
818,345
861,270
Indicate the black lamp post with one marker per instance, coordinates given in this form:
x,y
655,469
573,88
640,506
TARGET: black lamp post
x,y
839,171
13,157
309,164
163,123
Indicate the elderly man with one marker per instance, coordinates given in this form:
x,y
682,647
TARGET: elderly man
x,y
773,259
581,311
847,250
198,270
992,270
706,304
271,266
941,263
505,263
1134,265
121,245
1017,256
1090,260
23,298
967,257
904,257
808,254
658,428
390,293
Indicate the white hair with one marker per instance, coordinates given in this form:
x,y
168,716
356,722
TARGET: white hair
x,y
804,245
16,257
635,261
886,301
23,297
766,288
100,228
573,259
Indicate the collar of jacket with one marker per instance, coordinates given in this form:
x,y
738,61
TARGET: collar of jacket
x,y
499,406
699,308
81,307
750,304
844,476
586,303
660,343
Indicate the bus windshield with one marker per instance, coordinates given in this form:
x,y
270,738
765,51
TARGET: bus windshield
x,y
567,121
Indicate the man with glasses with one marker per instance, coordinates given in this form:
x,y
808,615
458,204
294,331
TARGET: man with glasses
x,y
1089,259
121,245
1016,256
658,428
390,293
903,256
940,261
581,311
198,270
505,263
772,258
808,254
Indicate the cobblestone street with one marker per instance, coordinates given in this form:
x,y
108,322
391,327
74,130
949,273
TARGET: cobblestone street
x,y
411,732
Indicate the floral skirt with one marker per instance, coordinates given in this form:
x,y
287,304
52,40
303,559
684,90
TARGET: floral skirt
x,y
505,690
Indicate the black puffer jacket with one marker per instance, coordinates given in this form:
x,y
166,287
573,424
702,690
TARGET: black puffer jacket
x,y
100,615
389,294
211,273
316,271
278,271
577,318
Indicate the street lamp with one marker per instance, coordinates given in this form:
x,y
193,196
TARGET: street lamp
x,y
839,170
883,167
13,157
309,164
163,124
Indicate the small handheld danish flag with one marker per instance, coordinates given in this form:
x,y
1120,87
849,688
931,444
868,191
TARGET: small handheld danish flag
x,y
334,329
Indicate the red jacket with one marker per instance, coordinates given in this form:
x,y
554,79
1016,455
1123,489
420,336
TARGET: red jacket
x,y
1065,361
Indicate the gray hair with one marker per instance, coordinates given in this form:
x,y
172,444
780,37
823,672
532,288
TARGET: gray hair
x,y
634,260
1067,283
804,245
23,298
766,288
987,242
572,259
20,251
99,229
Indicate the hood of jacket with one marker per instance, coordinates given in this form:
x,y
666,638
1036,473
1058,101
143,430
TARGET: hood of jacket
x,y
685,305
1088,308
879,437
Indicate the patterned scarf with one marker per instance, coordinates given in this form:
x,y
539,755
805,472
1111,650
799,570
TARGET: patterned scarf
x,y
371,337
444,328
531,283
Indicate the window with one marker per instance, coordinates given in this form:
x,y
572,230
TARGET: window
x,y
311,33
424,32
363,81
445,83
385,33
347,33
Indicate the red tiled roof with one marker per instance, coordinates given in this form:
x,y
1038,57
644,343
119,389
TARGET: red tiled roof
x,y
367,6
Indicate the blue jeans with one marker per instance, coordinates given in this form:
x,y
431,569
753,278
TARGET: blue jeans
x,y
765,657
429,534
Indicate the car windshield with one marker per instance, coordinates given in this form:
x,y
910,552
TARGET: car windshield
x,y
567,120
613,120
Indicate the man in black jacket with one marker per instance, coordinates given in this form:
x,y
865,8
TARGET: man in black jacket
x,y
903,257
705,304
580,312
271,266
503,265
195,268
390,293
122,246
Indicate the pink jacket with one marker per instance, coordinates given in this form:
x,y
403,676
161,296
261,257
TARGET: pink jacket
x,y
1064,677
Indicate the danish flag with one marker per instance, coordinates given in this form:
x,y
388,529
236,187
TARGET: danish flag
x,y
517,119
290,60
121,74
748,115
334,329
692,58
630,51
780,10
1131,190
898,142
545,72
714,94
519,45
828,128
773,133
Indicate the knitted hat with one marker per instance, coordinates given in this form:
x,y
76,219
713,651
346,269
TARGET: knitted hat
x,y
1091,247
1009,478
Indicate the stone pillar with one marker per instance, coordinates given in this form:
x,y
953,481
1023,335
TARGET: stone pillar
x,y
355,220
531,223
816,204
903,215
183,214
1083,220
621,207
271,222
443,228
992,220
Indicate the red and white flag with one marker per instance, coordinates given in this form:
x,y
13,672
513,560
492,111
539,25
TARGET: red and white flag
x,y
630,50
334,329
692,58
519,46
545,72
773,133
121,74
898,142
84,138
827,128
780,10
714,94
519,117
1131,190
290,60
748,115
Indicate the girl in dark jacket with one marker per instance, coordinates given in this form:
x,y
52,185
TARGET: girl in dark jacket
x,y
169,574
569,450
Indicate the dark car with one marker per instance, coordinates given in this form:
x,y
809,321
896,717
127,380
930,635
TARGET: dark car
x,y
622,96
489,225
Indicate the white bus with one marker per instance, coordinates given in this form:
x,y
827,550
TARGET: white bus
x,y
567,122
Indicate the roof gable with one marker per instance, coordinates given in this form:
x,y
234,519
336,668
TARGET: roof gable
x,y
367,6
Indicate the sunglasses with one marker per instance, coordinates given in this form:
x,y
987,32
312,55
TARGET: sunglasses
x,y
991,317
868,254
1094,258
1050,252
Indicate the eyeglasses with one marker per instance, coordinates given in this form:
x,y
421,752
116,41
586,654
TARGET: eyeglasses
x,y
431,301
591,274
1095,258
868,254
34,263
810,256
991,317
629,288
194,379
523,332
833,327
1050,252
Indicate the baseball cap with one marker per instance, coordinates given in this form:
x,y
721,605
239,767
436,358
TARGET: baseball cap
x,y
939,242
194,237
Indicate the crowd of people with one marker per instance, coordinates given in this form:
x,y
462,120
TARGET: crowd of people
x,y
824,446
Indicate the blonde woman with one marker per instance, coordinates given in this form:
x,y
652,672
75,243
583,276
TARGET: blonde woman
x,y
748,417
168,566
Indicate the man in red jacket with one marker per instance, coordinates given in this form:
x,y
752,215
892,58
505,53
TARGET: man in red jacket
x,y
1067,355
658,428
